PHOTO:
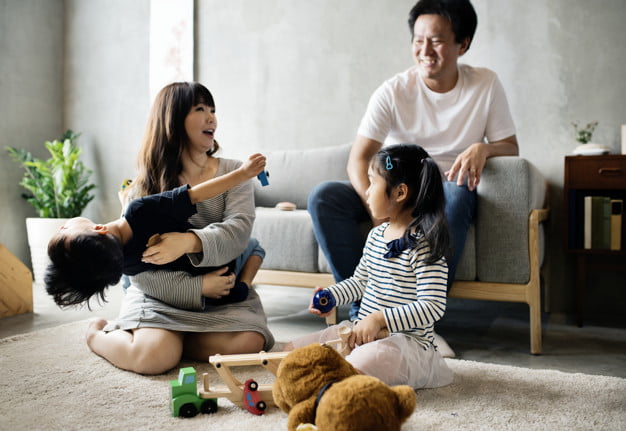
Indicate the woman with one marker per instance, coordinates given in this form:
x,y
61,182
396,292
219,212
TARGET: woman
x,y
164,315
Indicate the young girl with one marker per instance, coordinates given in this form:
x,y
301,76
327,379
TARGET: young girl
x,y
401,278
163,315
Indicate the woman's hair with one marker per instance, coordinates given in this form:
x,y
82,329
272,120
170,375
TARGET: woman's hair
x,y
411,165
82,267
165,137
460,13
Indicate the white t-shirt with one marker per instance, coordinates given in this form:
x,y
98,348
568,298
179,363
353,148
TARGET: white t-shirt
x,y
404,110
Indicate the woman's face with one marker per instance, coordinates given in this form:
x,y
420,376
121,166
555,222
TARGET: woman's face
x,y
200,125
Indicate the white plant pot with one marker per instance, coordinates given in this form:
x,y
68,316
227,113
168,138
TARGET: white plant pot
x,y
39,232
591,149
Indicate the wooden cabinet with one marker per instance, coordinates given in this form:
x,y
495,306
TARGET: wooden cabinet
x,y
591,176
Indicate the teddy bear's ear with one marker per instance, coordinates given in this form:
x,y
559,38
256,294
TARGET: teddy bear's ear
x,y
301,413
406,400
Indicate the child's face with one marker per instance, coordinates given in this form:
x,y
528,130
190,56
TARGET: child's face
x,y
379,203
200,126
80,226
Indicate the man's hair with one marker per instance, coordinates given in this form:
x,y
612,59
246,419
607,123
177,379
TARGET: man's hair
x,y
82,267
461,14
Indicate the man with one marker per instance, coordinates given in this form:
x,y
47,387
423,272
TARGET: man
x,y
458,113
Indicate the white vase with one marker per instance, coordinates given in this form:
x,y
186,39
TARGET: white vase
x,y
39,232
591,149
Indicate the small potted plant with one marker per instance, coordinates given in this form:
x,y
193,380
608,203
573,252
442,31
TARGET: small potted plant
x,y
583,136
59,189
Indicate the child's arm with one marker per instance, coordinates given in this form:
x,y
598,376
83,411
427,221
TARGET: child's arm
x,y
213,187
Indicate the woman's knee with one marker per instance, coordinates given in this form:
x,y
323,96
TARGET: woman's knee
x,y
156,352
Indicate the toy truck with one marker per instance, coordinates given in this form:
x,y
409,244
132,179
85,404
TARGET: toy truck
x,y
186,401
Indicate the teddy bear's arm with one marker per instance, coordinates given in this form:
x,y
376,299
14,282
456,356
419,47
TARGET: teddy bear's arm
x,y
301,413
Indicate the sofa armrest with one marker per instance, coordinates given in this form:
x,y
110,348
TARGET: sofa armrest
x,y
509,189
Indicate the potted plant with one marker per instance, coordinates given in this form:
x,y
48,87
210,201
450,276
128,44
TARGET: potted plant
x,y
583,136
59,189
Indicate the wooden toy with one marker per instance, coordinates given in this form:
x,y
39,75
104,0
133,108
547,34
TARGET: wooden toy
x,y
186,401
235,389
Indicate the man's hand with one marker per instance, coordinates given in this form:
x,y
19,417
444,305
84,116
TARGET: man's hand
x,y
171,246
469,164
216,285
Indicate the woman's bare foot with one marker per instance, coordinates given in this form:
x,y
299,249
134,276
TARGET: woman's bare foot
x,y
94,327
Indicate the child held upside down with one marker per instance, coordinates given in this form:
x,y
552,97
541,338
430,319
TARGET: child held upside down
x,y
88,257
402,276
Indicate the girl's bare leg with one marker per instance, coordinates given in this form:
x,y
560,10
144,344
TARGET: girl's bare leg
x,y
200,345
143,350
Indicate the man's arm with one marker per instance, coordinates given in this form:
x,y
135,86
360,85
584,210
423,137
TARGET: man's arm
x,y
471,162
361,153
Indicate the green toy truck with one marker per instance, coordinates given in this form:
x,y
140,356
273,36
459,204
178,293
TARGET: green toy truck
x,y
186,401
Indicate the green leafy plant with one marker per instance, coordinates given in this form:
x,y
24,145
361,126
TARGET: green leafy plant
x,y
584,134
59,187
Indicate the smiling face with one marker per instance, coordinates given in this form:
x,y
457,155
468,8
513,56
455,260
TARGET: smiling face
x,y
436,52
200,126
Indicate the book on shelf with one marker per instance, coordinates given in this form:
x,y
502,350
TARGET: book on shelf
x,y
597,222
617,209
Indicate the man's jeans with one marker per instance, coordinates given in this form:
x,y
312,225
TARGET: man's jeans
x,y
337,212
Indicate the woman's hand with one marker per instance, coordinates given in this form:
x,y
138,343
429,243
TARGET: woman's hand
x,y
366,330
216,285
168,247
254,165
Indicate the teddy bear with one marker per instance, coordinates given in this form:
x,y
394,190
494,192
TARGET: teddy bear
x,y
316,385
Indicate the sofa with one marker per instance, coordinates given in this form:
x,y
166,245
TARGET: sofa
x,y
503,254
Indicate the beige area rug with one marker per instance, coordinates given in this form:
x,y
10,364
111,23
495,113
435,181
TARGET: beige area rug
x,y
51,381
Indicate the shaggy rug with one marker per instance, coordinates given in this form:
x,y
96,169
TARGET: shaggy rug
x,y
51,381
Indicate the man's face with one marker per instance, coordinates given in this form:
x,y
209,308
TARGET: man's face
x,y
436,52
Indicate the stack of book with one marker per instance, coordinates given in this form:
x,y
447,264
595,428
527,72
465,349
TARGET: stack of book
x,y
603,223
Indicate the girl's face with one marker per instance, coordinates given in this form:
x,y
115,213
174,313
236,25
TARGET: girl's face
x,y
200,125
381,205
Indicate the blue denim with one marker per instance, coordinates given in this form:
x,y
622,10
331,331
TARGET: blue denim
x,y
337,211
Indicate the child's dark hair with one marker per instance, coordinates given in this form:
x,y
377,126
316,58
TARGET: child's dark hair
x,y
82,267
460,13
411,165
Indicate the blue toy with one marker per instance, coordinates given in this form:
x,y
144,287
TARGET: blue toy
x,y
324,301
263,178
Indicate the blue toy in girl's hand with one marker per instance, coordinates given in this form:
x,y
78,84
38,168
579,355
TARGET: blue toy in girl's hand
x,y
324,301
263,178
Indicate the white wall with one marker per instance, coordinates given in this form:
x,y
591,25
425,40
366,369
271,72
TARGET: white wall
x,y
297,74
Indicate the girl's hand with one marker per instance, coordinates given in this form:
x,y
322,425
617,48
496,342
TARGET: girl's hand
x,y
254,165
216,285
315,311
366,330
170,247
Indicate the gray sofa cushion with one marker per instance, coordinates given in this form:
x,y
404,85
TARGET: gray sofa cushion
x,y
293,173
509,189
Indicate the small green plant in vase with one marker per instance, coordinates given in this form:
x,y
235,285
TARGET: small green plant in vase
x,y
59,189
583,135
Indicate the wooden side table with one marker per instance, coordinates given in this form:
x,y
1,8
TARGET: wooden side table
x,y
591,176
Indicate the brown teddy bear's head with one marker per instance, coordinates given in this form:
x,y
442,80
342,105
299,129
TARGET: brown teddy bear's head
x,y
301,375
364,403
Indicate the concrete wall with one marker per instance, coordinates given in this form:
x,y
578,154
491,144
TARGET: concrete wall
x,y
298,74
31,101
